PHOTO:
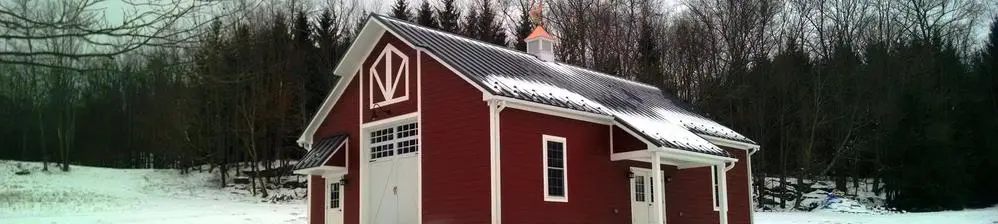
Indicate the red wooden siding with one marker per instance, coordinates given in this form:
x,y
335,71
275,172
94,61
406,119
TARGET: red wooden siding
x,y
689,198
455,148
625,142
598,191
394,109
339,158
316,209
738,190
343,118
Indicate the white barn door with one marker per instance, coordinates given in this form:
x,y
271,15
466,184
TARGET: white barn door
x,y
393,176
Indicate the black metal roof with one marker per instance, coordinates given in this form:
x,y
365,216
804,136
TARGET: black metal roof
x,y
321,152
661,118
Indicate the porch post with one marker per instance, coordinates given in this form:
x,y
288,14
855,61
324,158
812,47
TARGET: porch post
x,y
722,182
656,173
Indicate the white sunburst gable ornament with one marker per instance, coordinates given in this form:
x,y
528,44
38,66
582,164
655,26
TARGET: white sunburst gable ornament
x,y
395,75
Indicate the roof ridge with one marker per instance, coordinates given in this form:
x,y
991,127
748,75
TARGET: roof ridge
x,y
379,16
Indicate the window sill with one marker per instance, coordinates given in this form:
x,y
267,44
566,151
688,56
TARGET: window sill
x,y
556,199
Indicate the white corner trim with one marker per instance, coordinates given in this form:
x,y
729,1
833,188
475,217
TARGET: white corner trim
x,y
564,153
419,124
361,158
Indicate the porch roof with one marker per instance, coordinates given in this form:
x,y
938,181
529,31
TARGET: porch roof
x,y
320,154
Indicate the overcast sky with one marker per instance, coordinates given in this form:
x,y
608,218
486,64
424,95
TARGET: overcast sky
x,y
115,9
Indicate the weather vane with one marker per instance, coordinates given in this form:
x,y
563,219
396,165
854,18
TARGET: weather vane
x,y
537,13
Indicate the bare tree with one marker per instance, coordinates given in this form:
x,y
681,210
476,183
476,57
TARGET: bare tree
x,y
89,22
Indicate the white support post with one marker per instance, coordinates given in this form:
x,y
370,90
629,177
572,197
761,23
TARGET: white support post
x,y
493,137
723,184
656,167
495,106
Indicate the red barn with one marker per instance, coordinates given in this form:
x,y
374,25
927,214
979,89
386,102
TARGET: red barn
x,y
426,126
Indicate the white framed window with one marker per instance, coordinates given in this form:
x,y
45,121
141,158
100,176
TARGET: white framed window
x,y
639,189
716,187
334,195
395,140
555,168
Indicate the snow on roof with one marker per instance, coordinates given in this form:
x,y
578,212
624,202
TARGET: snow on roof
x,y
663,118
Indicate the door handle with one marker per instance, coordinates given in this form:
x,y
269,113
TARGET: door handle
x,y
395,190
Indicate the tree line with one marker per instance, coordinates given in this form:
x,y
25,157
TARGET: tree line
x,y
903,92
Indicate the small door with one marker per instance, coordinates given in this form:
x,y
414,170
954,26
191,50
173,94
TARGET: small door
x,y
334,202
643,196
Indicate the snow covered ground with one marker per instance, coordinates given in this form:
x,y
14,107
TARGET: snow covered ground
x,y
858,205
102,195
972,216
145,196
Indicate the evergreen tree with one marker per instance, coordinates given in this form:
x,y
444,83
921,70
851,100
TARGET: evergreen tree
x,y
448,17
469,27
649,57
986,69
401,10
524,28
489,29
987,65
425,16
328,38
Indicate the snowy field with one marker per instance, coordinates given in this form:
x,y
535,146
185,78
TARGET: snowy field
x,y
143,196
974,216
102,195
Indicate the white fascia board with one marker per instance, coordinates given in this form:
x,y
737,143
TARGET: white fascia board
x,y
322,171
729,143
552,110
632,155
699,157
347,68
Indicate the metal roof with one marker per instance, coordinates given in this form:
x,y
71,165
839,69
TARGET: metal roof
x,y
662,118
321,152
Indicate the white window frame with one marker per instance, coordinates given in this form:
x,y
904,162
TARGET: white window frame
x,y
329,195
395,140
715,188
564,162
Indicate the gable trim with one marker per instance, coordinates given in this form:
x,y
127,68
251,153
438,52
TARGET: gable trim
x,y
365,40
305,140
